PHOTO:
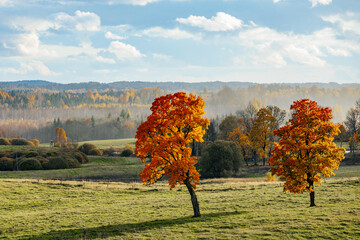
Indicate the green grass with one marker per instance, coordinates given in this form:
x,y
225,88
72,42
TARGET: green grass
x,y
117,143
99,168
230,209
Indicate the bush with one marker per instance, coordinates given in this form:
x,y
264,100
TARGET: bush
x,y
128,146
72,161
126,153
19,141
31,154
86,148
6,164
30,164
4,141
57,162
81,158
270,177
220,159
95,152
35,142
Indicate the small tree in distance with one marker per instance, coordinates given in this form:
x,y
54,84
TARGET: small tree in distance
x,y
175,122
306,150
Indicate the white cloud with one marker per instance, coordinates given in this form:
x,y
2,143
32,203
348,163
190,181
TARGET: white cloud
x,y
221,22
6,3
105,60
268,46
175,33
346,22
321,2
110,35
32,25
81,21
313,2
132,2
33,66
161,57
124,51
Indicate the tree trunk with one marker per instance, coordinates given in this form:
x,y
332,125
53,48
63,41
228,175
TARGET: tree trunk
x,y
194,200
312,194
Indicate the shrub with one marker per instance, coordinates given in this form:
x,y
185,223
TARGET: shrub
x,y
35,142
126,153
43,161
95,152
57,162
4,141
6,164
128,146
220,159
86,148
72,161
31,154
30,164
80,157
270,177
19,141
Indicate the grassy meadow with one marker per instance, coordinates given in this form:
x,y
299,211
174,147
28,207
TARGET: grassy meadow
x,y
231,209
104,199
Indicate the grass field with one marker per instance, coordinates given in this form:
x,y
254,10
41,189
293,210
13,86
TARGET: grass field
x,y
118,143
35,207
231,209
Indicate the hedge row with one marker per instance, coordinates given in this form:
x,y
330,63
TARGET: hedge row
x,y
41,159
19,141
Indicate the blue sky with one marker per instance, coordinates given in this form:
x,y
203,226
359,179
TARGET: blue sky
x,y
263,41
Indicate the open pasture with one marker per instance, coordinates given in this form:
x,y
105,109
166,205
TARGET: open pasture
x,y
231,209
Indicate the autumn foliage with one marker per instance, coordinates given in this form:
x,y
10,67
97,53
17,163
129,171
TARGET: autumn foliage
x,y
175,122
61,138
306,151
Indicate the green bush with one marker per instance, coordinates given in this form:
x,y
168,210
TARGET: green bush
x,y
31,154
6,164
19,141
30,164
220,159
86,148
72,161
81,157
57,162
95,152
4,141
127,153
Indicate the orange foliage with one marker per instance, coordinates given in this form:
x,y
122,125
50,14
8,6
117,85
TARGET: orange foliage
x,y
61,137
306,150
176,121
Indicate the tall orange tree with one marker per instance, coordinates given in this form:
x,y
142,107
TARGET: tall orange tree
x,y
306,151
175,122
61,138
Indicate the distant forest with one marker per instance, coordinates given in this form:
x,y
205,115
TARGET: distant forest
x,y
33,109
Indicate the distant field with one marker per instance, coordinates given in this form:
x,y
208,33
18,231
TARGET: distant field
x,y
118,143
99,169
231,209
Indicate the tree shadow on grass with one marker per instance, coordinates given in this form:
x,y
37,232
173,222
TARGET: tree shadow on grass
x,y
124,229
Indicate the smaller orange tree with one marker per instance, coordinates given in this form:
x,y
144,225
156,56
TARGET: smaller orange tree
x,y
175,122
306,150
61,138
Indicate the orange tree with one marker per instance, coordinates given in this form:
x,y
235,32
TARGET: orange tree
x,y
261,133
306,150
175,122
61,138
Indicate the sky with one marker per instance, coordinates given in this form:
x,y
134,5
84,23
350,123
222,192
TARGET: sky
x,y
262,41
